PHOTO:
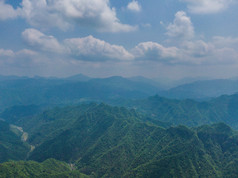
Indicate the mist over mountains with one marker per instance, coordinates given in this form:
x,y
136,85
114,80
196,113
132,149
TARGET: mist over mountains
x,y
76,89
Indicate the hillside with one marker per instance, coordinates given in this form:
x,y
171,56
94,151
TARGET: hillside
x,y
113,141
49,168
107,141
11,145
189,112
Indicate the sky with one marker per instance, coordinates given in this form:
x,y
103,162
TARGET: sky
x,y
170,39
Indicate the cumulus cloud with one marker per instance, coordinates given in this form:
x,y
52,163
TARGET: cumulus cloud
x,y
196,52
96,14
95,50
7,11
181,28
40,41
189,53
186,49
207,6
134,6
90,48
198,48
155,51
87,48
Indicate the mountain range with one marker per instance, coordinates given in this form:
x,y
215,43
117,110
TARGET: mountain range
x,y
105,141
76,89
189,112
113,90
117,127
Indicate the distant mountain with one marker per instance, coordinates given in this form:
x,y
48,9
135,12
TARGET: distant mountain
x,y
43,91
78,77
203,89
145,86
106,141
11,77
148,81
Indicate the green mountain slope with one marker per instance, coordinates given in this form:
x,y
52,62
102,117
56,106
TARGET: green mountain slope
x,y
112,141
105,141
190,112
11,146
49,168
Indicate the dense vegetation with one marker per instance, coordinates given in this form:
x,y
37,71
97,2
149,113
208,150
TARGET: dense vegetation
x,y
11,146
49,168
152,137
189,112
112,141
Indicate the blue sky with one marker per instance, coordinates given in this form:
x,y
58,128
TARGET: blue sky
x,y
158,39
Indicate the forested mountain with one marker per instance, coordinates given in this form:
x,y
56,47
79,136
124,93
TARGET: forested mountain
x,y
146,137
47,169
11,145
189,112
107,141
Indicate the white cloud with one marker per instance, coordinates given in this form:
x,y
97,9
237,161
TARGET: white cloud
x,y
40,41
155,51
198,48
7,11
187,53
26,53
6,53
225,41
181,28
207,6
134,6
90,48
87,48
63,14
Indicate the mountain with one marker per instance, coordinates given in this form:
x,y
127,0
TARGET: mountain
x,y
148,81
110,141
203,89
14,113
203,152
49,168
106,141
45,91
11,77
78,77
11,144
189,112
